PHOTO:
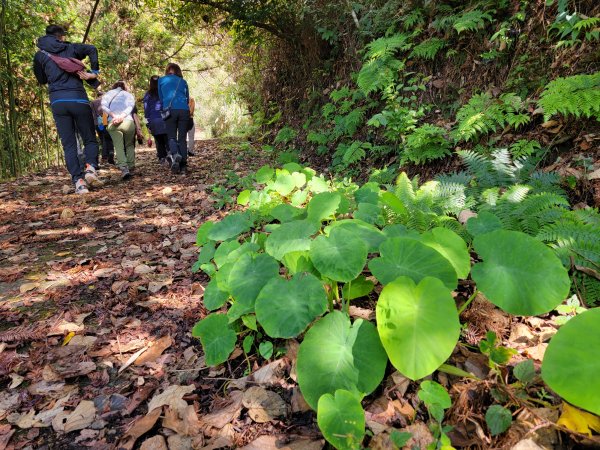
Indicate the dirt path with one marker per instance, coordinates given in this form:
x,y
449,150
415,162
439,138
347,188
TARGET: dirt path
x,y
97,301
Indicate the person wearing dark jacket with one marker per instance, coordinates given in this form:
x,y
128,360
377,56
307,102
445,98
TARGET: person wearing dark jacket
x,y
154,120
69,102
174,95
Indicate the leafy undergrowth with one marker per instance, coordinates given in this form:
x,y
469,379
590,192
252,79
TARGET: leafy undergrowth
x,y
98,300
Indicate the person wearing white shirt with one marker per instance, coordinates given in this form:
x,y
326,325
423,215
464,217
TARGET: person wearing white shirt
x,y
118,104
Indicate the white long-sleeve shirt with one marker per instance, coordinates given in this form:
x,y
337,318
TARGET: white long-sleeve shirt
x,y
119,102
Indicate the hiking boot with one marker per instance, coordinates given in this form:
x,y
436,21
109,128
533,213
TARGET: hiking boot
x,y
111,160
81,187
125,174
91,177
191,153
176,164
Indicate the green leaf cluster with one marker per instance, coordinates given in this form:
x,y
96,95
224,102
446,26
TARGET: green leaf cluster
x,y
289,266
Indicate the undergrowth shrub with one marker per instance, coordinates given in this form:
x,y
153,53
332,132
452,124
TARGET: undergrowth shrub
x,y
425,144
578,95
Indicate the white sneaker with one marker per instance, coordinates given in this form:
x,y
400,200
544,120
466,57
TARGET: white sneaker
x,y
91,177
81,187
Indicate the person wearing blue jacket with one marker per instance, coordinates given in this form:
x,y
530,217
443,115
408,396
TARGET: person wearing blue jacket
x,y
69,102
174,96
156,124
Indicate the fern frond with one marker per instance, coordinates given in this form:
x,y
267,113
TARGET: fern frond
x,y
405,190
428,49
578,95
377,74
471,21
387,46
516,193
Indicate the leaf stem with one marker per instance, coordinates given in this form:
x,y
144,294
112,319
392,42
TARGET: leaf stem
x,y
468,302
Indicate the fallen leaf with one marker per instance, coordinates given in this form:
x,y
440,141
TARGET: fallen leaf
x,y
26,287
143,269
23,421
16,380
5,438
218,443
138,428
132,359
270,442
82,417
119,286
177,442
86,341
155,350
577,420
154,443
220,418
263,405
172,397
271,374
67,213
105,272
185,423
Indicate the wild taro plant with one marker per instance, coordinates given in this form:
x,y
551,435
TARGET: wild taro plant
x,y
290,264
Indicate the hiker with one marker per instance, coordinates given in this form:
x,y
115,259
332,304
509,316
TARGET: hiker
x,y
69,101
191,135
174,97
108,150
118,104
154,121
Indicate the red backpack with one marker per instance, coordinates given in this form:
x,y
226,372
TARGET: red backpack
x,y
69,65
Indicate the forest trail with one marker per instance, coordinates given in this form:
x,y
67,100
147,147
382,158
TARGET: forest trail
x,y
89,282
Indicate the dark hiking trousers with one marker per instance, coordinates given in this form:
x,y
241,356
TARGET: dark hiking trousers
x,y
108,149
161,145
177,126
72,117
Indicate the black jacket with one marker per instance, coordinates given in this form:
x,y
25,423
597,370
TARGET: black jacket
x,y
63,85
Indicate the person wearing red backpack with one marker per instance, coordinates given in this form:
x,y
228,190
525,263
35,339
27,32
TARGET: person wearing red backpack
x,y
58,64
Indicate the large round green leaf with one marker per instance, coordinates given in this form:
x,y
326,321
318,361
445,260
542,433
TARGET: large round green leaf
x,y
221,256
367,232
296,262
337,355
418,325
571,364
285,308
360,287
411,258
484,222
323,206
341,256
370,213
286,212
247,278
284,183
451,246
264,174
217,337
214,297
202,234
231,226
519,274
290,237
341,419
